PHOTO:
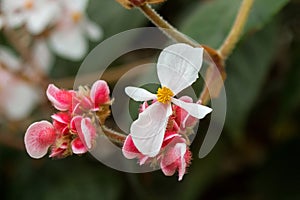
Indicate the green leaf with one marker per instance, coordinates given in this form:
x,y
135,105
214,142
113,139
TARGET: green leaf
x,y
210,23
246,71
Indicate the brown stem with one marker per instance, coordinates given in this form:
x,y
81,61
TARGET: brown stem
x,y
236,30
164,26
213,73
114,136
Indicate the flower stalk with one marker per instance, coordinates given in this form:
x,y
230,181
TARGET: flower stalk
x,y
165,26
237,29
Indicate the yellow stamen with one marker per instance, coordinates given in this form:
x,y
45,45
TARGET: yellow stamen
x,y
164,95
76,16
28,4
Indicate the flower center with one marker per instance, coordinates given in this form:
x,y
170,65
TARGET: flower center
x,y
164,95
28,4
76,16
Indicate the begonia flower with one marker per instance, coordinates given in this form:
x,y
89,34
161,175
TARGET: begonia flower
x,y
37,15
177,68
69,36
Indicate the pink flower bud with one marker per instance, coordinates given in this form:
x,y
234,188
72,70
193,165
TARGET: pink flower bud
x,y
61,99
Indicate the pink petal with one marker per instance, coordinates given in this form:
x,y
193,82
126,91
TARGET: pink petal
x,y
169,136
59,152
61,99
62,117
38,138
129,150
85,129
143,107
61,122
86,103
174,158
75,123
99,93
89,132
78,147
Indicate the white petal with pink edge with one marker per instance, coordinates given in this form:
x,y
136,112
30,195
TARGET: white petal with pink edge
x,y
88,131
61,99
78,147
38,138
148,130
178,66
99,93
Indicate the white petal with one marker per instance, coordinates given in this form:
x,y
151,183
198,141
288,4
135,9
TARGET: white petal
x,y
69,43
43,56
139,94
21,101
41,17
93,31
9,58
178,66
148,130
76,5
194,109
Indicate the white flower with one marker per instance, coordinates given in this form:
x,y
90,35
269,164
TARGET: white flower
x,y
18,98
68,38
177,68
35,14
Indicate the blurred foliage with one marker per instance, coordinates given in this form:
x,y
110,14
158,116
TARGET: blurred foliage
x,y
256,156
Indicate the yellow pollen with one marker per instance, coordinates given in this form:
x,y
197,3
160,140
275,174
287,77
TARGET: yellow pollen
x,y
164,95
76,16
28,4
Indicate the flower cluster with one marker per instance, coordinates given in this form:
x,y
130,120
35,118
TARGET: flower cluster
x,y
174,153
160,134
63,23
74,127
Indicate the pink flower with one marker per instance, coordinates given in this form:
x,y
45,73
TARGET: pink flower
x,y
74,126
38,138
175,158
